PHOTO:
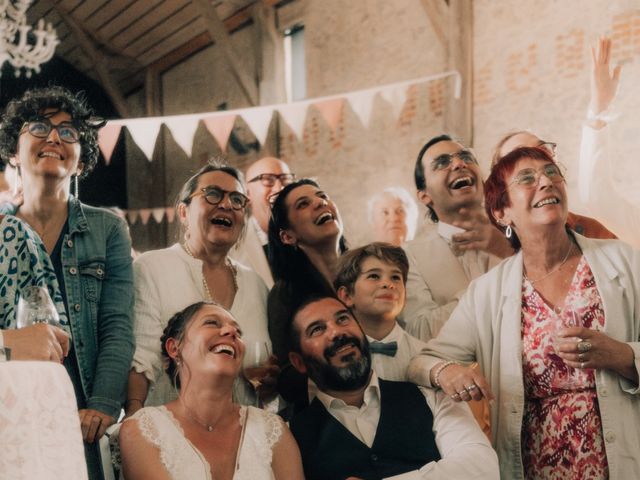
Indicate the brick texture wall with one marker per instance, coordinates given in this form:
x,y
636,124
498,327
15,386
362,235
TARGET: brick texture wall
x,y
531,70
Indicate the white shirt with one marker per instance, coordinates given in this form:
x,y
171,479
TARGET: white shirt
x,y
465,450
395,368
610,188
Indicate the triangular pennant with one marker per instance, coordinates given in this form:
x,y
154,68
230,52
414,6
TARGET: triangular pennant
x,y
259,119
132,215
220,126
331,111
294,115
396,96
107,139
158,214
144,132
183,129
362,105
145,214
171,214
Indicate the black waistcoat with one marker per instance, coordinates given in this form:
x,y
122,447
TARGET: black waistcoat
x,y
404,439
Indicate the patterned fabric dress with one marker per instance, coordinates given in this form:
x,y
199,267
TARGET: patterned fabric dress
x,y
24,262
562,429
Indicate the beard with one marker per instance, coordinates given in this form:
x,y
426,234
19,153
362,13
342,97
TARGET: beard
x,y
355,374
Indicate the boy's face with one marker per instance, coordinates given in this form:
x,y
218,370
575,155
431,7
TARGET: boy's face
x,y
378,293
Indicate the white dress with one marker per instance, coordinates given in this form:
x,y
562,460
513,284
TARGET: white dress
x,y
261,430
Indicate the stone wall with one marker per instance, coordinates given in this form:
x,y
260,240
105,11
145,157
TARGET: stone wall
x,y
532,63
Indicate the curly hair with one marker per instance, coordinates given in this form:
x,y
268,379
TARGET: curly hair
x,y
33,103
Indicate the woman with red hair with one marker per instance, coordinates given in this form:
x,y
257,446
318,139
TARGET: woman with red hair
x,y
555,330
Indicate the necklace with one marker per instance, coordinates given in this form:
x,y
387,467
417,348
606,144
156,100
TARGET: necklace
x,y
193,417
564,260
229,265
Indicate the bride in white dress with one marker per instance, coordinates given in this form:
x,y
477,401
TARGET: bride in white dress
x,y
203,434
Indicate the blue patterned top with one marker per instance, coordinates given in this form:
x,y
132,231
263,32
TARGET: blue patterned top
x,y
24,262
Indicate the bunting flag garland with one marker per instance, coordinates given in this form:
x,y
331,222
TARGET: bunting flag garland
x,y
144,131
107,139
220,128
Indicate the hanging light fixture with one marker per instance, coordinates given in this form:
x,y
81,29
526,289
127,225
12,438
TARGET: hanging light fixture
x,y
15,46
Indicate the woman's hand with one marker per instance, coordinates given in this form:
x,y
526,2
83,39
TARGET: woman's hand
x,y
480,234
37,342
597,350
94,423
604,83
266,376
462,383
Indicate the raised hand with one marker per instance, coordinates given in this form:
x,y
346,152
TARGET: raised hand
x,y
480,234
604,82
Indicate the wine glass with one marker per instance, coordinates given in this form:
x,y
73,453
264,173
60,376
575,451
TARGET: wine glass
x,y
256,356
566,377
35,306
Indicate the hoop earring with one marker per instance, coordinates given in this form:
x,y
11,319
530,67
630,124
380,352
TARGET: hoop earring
x,y
508,232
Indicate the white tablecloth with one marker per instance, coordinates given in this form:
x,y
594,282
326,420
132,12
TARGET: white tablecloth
x,y
40,434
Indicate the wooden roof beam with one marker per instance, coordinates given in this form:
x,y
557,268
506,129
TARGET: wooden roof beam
x,y
218,33
99,62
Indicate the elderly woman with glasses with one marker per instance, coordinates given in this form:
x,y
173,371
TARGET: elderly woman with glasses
x,y
213,209
589,227
51,136
555,330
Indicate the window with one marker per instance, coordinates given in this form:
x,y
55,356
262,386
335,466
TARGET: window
x,y
294,67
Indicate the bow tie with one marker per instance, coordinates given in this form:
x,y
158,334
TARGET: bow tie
x,y
389,348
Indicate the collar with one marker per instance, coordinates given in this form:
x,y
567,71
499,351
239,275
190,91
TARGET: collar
x,y
446,230
371,395
76,217
262,236
393,336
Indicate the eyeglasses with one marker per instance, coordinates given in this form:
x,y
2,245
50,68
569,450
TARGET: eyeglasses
x,y
530,177
41,128
214,195
444,161
269,179
550,147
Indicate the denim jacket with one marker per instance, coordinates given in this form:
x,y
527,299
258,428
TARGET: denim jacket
x,y
98,277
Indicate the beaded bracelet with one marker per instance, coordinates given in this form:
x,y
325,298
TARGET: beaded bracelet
x,y
436,376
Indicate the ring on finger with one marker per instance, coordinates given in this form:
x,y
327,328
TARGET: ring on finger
x,y
455,395
584,346
461,393
582,356
582,365
471,388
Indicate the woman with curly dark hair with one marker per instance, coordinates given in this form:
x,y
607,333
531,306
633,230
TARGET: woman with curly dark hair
x,y
305,242
50,135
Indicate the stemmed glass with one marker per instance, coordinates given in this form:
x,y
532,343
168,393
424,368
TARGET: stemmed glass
x,y
566,378
35,306
256,357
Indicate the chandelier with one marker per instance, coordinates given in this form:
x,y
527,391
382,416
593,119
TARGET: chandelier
x,y
15,46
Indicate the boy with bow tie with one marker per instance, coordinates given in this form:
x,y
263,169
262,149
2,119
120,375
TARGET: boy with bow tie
x,y
371,281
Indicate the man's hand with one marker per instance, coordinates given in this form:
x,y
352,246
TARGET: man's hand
x,y
37,342
480,234
604,83
93,424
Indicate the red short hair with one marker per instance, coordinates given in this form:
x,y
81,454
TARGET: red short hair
x,y
496,195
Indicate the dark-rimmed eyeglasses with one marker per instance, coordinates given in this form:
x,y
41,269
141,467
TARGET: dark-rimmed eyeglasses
x,y
214,195
444,161
530,177
41,128
269,179
549,147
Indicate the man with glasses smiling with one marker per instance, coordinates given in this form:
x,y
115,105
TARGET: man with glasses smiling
x,y
264,178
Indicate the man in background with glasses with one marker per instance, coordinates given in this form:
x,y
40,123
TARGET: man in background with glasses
x,y
264,178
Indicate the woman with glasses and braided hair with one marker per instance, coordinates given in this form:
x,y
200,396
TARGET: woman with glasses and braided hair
x,y
50,135
555,330
213,209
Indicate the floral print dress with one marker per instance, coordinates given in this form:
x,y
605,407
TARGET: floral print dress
x,y
562,429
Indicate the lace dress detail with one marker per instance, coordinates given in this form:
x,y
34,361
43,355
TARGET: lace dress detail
x,y
561,428
261,431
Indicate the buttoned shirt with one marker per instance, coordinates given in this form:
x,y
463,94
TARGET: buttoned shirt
x,y
465,450
395,368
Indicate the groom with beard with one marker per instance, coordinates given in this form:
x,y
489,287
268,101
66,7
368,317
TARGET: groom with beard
x,y
363,427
